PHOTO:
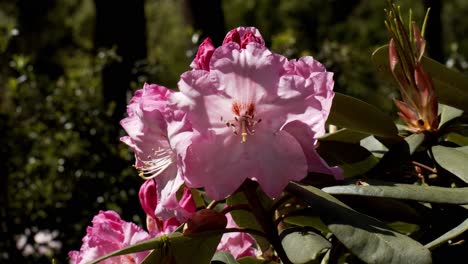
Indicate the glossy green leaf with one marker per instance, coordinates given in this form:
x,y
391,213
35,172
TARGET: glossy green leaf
x,y
431,194
360,116
369,239
197,248
223,257
345,135
404,228
352,158
453,160
458,230
246,219
451,86
302,245
457,139
374,146
448,113
308,220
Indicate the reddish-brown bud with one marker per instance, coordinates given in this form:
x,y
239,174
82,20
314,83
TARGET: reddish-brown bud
x,y
205,220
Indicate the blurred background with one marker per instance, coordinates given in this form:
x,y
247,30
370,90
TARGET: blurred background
x,y
67,69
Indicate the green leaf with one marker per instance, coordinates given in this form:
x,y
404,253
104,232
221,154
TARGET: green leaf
x,y
344,135
453,160
457,139
183,249
451,86
404,228
159,243
458,230
251,260
223,257
197,248
360,116
303,245
246,219
431,194
305,219
374,146
352,158
448,113
369,239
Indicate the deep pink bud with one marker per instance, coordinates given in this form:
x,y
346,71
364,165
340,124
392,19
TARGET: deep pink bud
x,y
250,37
149,197
187,202
202,59
232,36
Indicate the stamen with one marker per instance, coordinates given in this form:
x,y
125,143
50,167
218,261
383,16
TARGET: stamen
x,y
157,164
246,121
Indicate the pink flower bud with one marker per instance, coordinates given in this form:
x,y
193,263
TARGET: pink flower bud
x,y
202,59
205,220
149,197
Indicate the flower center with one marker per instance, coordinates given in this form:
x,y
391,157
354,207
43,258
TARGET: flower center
x,y
156,164
244,120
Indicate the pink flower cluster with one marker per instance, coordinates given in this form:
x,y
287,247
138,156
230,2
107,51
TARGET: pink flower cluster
x,y
242,112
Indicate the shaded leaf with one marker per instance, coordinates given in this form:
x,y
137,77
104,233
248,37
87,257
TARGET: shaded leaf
x,y
345,135
352,158
448,113
460,229
453,160
369,239
223,257
431,194
451,86
374,146
302,245
251,260
246,219
360,116
404,228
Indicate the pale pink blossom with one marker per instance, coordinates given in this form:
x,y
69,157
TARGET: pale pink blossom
x,y
238,244
108,234
256,116
155,131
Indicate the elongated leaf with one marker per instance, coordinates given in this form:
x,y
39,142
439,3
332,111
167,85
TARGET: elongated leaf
x,y
352,158
345,135
360,116
451,86
197,248
303,245
158,243
246,219
369,239
460,229
374,146
448,113
431,194
250,260
223,257
453,160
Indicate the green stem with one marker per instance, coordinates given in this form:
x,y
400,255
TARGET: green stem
x,y
264,219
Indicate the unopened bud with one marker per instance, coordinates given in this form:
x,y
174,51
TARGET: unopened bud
x,y
205,220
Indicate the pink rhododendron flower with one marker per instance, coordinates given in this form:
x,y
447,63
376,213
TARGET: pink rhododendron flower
x,y
238,244
256,116
154,132
109,233
167,223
